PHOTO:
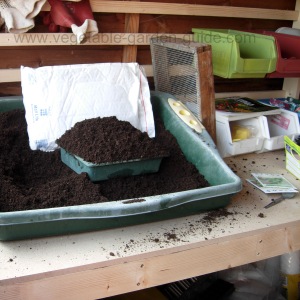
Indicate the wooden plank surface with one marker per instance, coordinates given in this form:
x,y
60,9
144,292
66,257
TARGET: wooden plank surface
x,y
207,91
110,262
132,22
193,10
189,9
147,272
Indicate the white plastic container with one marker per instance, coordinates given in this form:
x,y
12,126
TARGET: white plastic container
x,y
267,131
228,144
277,126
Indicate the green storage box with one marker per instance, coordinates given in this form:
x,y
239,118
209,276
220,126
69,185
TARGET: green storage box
x,y
199,149
104,171
238,54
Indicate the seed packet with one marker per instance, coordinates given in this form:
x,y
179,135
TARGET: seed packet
x,y
270,190
272,180
241,105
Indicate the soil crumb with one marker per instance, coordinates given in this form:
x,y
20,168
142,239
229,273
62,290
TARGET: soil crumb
x,y
215,215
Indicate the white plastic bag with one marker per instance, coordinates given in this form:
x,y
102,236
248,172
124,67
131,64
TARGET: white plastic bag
x,y
57,97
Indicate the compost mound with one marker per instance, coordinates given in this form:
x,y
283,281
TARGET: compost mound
x,y
35,179
101,140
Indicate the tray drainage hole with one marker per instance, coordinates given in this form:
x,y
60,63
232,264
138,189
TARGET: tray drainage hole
x,y
176,104
193,122
184,112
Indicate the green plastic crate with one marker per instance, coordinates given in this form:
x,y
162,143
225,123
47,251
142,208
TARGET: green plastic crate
x,y
238,54
199,149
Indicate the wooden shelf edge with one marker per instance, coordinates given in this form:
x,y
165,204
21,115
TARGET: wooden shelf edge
x,y
13,75
169,265
189,10
69,39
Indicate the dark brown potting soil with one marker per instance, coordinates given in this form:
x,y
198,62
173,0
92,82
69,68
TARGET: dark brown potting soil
x,y
35,179
105,140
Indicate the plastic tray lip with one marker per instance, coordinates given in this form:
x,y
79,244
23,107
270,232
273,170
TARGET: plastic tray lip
x,y
94,208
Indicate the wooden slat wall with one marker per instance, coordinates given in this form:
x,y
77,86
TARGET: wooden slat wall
x,y
125,28
144,19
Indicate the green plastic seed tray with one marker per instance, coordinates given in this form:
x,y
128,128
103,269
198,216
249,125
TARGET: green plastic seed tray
x,y
104,171
198,148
